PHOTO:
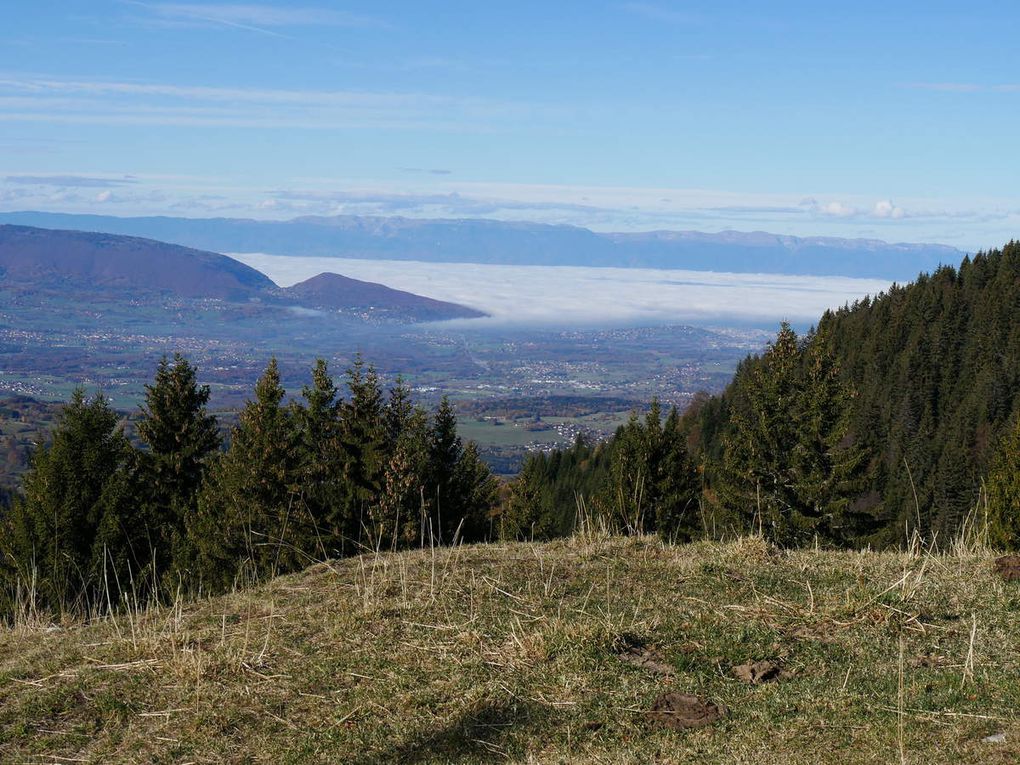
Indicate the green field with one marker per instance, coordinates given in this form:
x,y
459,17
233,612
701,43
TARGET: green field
x,y
516,433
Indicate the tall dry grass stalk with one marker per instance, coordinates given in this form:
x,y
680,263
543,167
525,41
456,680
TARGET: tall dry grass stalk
x,y
590,528
974,538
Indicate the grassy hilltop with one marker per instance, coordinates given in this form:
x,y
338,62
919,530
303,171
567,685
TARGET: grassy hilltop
x,y
539,653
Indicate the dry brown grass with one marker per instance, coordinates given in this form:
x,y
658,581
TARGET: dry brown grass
x,y
509,652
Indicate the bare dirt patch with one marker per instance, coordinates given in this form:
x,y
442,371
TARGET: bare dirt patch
x,y
680,711
632,650
1008,567
757,672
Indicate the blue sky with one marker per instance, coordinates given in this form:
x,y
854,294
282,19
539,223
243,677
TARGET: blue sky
x,y
896,121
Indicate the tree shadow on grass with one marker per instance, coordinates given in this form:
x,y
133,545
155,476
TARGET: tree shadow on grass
x,y
475,735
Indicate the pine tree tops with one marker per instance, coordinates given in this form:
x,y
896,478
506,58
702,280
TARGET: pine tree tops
x,y
461,490
248,508
652,486
363,438
790,462
174,420
179,433
71,522
642,480
334,475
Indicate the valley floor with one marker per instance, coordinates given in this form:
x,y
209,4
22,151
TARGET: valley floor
x,y
540,653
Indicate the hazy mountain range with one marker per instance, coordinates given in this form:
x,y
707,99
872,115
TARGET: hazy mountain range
x,y
73,263
512,243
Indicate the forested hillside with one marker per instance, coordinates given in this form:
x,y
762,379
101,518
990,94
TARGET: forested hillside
x,y
931,371
99,522
895,415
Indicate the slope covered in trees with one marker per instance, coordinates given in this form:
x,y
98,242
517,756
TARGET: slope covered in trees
x,y
100,521
44,258
642,480
894,416
906,395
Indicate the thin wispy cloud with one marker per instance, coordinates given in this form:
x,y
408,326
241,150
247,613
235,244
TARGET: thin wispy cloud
x,y
258,18
526,204
637,209
69,181
426,170
431,195
78,101
451,204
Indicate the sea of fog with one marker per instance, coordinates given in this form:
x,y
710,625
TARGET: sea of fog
x,y
572,295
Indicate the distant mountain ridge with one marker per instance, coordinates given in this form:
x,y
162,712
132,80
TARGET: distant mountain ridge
x,y
520,243
75,262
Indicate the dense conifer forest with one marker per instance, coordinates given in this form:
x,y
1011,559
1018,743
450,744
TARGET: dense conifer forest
x,y
895,416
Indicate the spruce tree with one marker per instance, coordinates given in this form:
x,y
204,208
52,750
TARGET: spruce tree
x,y
399,519
825,462
249,516
363,442
398,413
757,481
677,484
180,437
322,458
524,515
443,497
478,492
71,532
626,494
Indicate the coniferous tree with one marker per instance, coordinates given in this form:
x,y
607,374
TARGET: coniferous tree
x,y
249,511
461,491
363,441
6,493
71,532
653,485
398,413
757,482
400,517
677,485
790,454
524,515
322,458
478,492
825,462
628,489
445,449
180,439
544,500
